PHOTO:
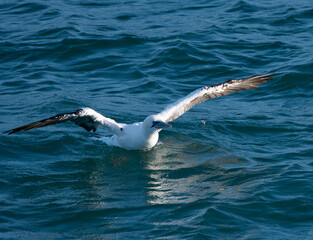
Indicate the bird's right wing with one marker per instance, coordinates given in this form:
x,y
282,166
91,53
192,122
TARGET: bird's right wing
x,y
181,106
85,117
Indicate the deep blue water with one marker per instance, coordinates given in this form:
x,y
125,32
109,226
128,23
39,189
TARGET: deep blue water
x,y
245,174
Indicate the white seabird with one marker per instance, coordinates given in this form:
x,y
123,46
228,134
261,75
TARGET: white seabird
x,y
144,135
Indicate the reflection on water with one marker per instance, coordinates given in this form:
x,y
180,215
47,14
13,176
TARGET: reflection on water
x,y
179,170
178,176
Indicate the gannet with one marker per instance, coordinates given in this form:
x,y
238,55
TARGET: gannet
x,y
144,135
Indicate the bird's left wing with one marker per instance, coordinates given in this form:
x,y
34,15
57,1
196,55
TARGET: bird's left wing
x,y
181,106
85,117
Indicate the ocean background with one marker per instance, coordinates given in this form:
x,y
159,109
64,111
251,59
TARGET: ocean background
x,y
236,167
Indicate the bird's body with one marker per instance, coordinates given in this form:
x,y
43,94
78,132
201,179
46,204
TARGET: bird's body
x,y
134,136
144,135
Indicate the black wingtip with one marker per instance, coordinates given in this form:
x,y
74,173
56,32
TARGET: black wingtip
x,y
269,76
60,118
272,74
259,79
9,132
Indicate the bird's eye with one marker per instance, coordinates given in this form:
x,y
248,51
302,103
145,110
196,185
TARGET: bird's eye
x,y
155,123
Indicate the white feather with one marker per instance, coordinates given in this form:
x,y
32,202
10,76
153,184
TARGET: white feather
x,y
145,135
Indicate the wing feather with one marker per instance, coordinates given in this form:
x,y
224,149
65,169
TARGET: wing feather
x,y
181,106
85,117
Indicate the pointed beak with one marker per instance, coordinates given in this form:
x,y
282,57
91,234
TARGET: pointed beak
x,y
160,124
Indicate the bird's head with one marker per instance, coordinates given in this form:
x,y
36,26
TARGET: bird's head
x,y
153,123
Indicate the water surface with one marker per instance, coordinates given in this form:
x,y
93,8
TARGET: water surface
x,y
244,174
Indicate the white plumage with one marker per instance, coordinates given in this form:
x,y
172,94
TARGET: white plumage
x,y
144,135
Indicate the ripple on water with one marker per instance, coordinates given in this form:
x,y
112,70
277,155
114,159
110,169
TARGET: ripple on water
x,y
234,167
